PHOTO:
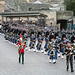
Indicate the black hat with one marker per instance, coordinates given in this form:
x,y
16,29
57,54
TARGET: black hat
x,y
8,29
63,36
32,33
72,38
47,33
23,32
56,34
16,31
59,41
39,33
19,32
51,37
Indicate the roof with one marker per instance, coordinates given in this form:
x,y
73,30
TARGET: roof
x,y
22,14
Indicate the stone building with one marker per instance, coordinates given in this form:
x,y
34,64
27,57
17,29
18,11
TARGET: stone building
x,y
55,11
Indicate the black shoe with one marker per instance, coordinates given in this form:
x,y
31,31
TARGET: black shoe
x,y
19,62
22,63
54,63
59,56
67,69
72,71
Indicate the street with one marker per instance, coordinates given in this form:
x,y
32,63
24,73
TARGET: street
x,y
35,63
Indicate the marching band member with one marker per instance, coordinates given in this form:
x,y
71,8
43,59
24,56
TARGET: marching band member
x,y
21,45
46,42
6,35
73,44
69,56
39,44
32,42
57,46
25,39
51,52
15,37
63,44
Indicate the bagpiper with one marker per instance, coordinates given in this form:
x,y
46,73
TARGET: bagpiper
x,y
6,34
73,43
16,37
69,50
32,42
63,44
46,42
39,44
21,45
57,44
51,49
25,38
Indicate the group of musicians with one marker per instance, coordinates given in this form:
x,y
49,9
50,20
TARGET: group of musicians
x,y
56,44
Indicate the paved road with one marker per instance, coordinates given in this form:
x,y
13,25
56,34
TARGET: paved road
x,y
35,63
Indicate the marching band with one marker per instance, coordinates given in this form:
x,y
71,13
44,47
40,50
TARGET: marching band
x,y
53,44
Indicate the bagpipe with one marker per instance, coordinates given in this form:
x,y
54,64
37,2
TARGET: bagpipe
x,y
51,48
52,52
51,45
40,43
73,45
70,51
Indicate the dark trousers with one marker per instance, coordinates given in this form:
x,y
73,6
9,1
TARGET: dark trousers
x,y
69,59
74,57
21,54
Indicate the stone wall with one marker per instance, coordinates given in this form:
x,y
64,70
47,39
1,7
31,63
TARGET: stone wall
x,y
51,17
21,5
34,7
66,15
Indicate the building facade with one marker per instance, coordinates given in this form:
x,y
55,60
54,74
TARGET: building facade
x,y
55,10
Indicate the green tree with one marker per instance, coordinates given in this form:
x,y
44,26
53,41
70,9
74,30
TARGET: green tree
x,y
70,5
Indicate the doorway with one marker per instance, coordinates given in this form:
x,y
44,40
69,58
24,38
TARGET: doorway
x,y
63,24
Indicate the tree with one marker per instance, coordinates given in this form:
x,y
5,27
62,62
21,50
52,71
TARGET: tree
x,y
70,5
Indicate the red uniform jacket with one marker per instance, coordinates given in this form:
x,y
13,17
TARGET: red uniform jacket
x,y
21,50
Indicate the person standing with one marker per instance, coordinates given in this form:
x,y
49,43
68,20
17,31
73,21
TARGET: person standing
x,y
21,49
73,43
56,44
51,50
39,44
69,56
46,42
63,44
32,42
